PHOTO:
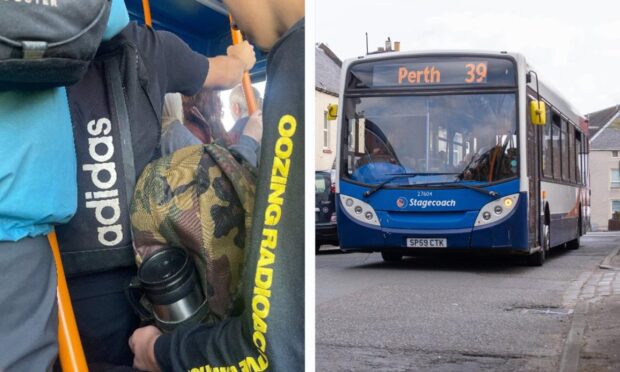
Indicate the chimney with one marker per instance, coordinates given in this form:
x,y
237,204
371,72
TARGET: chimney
x,y
388,44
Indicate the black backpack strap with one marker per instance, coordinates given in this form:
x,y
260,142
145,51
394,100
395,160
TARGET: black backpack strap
x,y
116,96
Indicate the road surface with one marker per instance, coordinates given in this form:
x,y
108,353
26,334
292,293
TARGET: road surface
x,y
450,313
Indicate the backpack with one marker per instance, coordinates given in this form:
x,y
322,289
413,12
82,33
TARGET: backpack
x,y
48,43
200,199
95,240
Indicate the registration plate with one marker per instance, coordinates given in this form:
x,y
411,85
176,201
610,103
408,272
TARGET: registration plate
x,y
426,243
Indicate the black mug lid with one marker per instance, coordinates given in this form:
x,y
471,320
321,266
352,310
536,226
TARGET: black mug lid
x,y
168,276
163,268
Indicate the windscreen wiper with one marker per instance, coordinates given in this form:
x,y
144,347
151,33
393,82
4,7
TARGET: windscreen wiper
x,y
401,175
453,185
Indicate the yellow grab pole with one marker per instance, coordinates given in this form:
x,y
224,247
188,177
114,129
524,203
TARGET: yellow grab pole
x,y
246,83
70,349
147,13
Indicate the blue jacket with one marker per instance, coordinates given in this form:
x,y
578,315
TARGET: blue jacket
x,y
38,186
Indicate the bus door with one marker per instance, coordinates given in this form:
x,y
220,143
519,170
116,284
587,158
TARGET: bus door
x,y
534,174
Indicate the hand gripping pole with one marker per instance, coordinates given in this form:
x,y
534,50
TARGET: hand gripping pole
x,y
248,92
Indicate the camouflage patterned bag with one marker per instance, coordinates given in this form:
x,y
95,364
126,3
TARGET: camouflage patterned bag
x,y
200,199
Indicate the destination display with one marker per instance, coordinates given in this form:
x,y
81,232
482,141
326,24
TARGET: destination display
x,y
416,72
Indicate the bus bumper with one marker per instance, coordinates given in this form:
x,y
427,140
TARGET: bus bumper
x,y
509,235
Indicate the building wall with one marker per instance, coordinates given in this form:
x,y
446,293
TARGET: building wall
x,y
601,164
325,156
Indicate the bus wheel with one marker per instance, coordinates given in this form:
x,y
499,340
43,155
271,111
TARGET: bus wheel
x,y
574,244
391,256
538,258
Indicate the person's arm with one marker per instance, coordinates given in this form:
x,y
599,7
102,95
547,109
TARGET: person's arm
x,y
250,139
179,69
226,71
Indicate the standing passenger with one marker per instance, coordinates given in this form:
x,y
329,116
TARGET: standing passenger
x,y
269,334
37,191
174,133
116,113
239,111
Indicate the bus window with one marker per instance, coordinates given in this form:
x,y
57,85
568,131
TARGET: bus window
x,y
578,156
572,157
457,148
565,150
234,106
547,148
468,137
555,135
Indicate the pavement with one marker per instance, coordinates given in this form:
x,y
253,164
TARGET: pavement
x,y
599,298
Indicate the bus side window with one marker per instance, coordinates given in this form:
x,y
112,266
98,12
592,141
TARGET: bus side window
x,y
547,148
556,147
565,150
571,143
578,156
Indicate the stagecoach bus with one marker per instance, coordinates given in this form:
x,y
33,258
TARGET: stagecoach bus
x,y
463,151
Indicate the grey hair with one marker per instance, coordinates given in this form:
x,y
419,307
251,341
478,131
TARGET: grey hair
x,y
237,96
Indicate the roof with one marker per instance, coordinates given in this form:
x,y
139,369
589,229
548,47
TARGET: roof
x,y
599,119
327,71
606,124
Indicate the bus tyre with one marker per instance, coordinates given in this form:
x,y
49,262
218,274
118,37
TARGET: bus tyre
x,y
538,258
573,244
391,256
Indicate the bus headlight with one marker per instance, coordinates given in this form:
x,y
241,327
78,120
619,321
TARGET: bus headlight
x,y
359,210
496,210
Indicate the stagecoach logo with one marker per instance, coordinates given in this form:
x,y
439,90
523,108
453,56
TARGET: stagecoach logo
x,y
403,202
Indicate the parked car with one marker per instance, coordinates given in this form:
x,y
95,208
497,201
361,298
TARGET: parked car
x,y
325,209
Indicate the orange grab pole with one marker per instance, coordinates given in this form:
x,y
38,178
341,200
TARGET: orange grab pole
x,y
492,163
248,92
70,349
147,13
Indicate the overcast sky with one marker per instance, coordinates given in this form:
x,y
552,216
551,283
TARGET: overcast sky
x,y
573,45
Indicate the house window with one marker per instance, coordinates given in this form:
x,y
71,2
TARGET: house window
x,y
615,206
325,131
614,154
615,178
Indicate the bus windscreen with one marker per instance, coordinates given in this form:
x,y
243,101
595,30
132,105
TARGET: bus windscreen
x,y
428,72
